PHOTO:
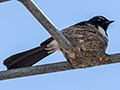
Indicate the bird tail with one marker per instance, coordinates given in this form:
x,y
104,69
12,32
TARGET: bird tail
x,y
26,58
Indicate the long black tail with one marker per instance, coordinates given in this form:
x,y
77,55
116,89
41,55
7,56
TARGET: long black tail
x,y
26,58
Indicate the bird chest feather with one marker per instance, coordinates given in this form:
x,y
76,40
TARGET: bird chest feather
x,y
88,46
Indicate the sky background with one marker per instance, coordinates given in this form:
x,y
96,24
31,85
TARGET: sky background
x,y
20,31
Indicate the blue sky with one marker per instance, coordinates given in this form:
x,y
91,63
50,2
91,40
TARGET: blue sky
x,y
20,31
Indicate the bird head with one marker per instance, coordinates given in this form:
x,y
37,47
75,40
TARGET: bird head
x,y
101,21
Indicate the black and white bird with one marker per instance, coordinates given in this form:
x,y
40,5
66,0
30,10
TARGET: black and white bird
x,y
86,37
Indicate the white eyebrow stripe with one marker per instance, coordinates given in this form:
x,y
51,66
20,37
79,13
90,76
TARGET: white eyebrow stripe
x,y
102,18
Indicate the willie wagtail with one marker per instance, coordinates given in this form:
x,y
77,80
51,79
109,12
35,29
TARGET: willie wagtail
x,y
86,37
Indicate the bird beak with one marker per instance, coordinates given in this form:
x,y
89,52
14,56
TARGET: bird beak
x,y
109,22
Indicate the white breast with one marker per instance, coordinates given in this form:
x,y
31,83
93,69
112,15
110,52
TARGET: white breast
x,y
102,31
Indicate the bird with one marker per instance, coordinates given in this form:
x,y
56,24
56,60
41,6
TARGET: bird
x,y
87,37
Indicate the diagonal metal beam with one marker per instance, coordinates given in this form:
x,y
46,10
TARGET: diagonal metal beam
x,y
47,24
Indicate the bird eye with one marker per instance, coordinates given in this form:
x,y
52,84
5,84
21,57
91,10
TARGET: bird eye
x,y
102,23
99,19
